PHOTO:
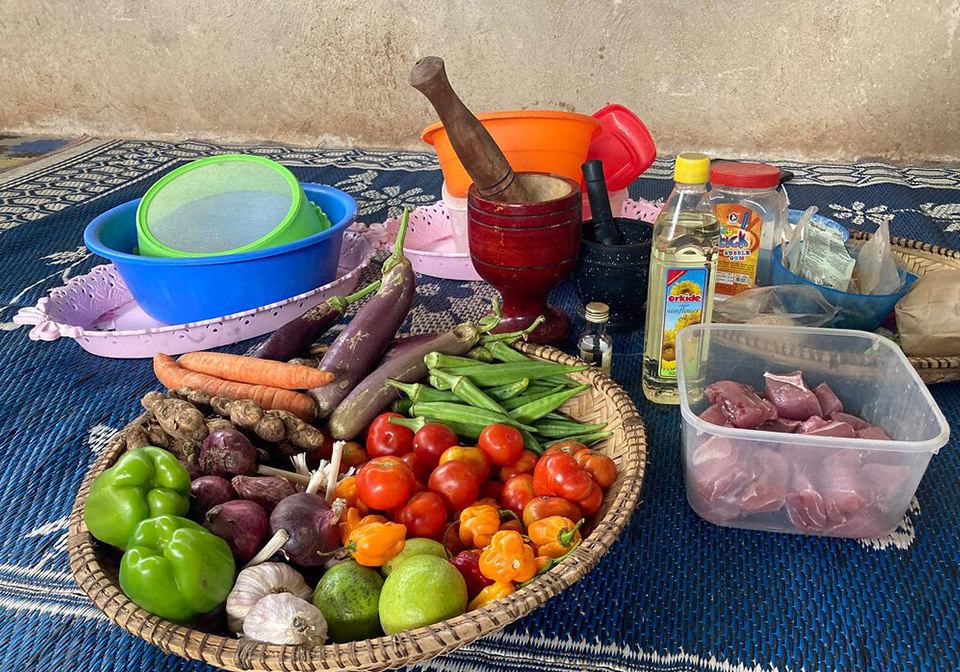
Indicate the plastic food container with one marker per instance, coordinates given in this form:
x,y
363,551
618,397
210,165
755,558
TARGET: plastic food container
x,y
750,211
224,205
854,311
840,487
190,289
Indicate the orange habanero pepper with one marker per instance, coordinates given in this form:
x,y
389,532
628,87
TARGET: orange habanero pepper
x,y
554,536
353,519
512,524
373,544
508,558
347,491
478,523
490,594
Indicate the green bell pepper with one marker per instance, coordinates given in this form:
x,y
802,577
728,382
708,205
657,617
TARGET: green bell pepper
x,y
176,569
143,483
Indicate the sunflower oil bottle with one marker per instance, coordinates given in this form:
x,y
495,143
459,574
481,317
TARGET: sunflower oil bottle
x,y
683,267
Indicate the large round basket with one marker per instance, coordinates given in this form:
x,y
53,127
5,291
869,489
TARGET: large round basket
x,y
605,401
920,258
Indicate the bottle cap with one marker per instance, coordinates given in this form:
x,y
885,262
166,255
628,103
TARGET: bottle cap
x,y
692,168
746,175
597,312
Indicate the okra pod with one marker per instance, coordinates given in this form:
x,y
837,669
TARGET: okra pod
x,y
480,354
468,392
555,429
585,439
421,392
402,406
489,375
517,402
504,353
461,413
509,391
530,442
538,408
438,360
463,430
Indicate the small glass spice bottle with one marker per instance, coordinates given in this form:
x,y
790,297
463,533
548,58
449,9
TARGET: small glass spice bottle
x,y
595,345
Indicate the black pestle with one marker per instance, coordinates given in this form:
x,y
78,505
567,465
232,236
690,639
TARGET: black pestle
x,y
605,230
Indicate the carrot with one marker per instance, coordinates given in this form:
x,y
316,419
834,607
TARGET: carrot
x,y
255,371
172,375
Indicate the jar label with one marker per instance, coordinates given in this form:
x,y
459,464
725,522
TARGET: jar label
x,y
683,297
739,248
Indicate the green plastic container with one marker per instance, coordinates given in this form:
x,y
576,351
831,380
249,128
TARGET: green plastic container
x,y
225,205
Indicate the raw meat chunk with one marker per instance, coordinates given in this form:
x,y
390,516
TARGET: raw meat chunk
x,y
740,403
842,484
719,469
829,403
873,433
868,524
793,399
852,420
780,425
805,507
886,482
714,414
817,426
766,493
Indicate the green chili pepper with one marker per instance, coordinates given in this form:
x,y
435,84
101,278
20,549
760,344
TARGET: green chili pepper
x,y
538,408
468,392
585,439
446,412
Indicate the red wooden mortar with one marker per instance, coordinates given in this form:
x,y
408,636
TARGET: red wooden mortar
x,y
525,249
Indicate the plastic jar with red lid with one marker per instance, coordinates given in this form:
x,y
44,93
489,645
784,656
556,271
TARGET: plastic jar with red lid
x,y
750,212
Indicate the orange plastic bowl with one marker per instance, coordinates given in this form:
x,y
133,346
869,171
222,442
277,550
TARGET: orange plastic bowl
x,y
545,141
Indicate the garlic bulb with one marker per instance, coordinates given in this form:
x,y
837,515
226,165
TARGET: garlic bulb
x,y
256,582
285,619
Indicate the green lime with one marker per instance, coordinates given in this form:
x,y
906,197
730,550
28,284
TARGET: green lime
x,y
348,596
412,548
423,590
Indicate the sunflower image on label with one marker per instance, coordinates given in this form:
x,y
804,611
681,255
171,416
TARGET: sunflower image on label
x,y
739,248
682,306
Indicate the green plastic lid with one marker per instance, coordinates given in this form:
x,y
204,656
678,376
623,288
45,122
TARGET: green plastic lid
x,y
224,205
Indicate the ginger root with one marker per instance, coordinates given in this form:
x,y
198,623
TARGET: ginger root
x,y
275,426
177,417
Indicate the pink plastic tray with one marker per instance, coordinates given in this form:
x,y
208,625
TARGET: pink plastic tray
x,y
98,312
430,245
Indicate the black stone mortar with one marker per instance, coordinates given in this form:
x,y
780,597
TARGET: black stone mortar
x,y
616,274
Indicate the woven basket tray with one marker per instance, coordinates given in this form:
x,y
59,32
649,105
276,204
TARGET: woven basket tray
x,y
96,571
920,258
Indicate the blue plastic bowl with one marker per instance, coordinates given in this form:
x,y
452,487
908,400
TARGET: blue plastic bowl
x,y
854,311
793,216
180,290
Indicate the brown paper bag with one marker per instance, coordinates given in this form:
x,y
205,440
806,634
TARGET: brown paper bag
x,y
928,317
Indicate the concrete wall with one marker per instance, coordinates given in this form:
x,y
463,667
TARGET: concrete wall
x,y
815,79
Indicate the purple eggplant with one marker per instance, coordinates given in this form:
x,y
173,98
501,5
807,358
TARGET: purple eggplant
x,y
373,395
297,335
399,345
361,344
243,525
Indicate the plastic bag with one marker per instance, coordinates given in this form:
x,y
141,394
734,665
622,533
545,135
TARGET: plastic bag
x,y
876,271
788,305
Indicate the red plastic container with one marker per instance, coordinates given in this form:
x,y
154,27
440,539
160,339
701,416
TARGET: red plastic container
x,y
525,249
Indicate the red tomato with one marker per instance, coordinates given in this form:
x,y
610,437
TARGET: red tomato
x,y
472,456
425,515
431,440
353,456
517,492
544,507
601,467
457,484
525,465
385,438
569,447
385,483
559,474
503,445
420,470
491,490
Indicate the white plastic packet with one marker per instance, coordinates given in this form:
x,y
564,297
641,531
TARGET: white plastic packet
x,y
876,271
824,259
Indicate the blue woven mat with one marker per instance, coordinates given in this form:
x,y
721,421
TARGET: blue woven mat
x,y
674,594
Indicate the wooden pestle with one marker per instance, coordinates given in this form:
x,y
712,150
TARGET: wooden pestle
x,y
482,159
